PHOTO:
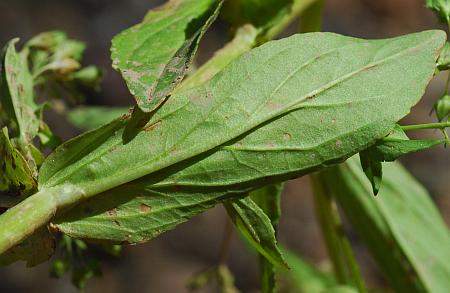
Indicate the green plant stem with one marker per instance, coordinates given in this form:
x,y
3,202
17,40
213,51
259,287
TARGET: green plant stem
x,y
22,220
325,216
311,20
437,125
297,8
339,249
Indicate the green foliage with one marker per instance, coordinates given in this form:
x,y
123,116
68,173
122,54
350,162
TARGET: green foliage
x,y
268,198
401,227
75,260
136,212
398,144
16,177
441,7
17,96
256,227
373,170
152,77
345,267
231,133
388,149
443,62
111,155
55,64
86,162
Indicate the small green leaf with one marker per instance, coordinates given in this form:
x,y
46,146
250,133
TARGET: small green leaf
x,y
443,62
35,250
441,7
388,149
402,227
373,170
398,144
16,178
153,56
54,51
268,198
256,227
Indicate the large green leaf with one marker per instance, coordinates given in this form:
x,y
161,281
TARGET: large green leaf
x,y
153,56
134,212
401,227
256,227
306,94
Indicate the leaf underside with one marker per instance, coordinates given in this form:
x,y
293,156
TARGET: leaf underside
x,y
280,111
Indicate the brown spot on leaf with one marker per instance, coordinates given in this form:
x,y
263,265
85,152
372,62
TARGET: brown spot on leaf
x,y
144,208
152,126
274,106
21,89
369,66
112,212
195,98
287,136
270,144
